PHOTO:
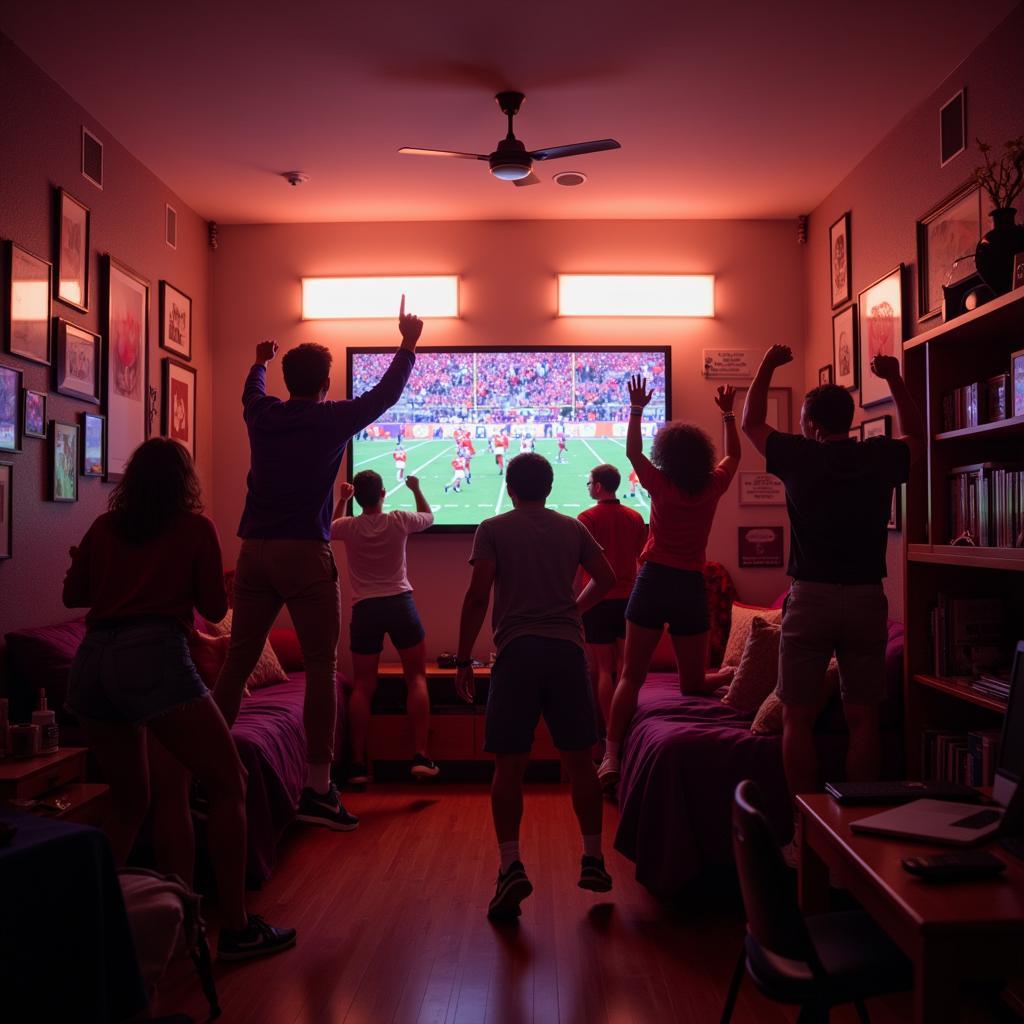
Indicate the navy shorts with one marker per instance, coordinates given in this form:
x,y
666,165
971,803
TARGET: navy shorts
x,y
133,672
606,621
395,616
662,595
534,676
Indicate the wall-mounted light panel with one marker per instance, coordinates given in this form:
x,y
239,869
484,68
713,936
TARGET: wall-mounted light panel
x,y
636,295
377,298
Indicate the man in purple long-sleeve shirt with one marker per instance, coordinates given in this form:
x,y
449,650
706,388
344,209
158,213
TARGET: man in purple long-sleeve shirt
x,y
296,449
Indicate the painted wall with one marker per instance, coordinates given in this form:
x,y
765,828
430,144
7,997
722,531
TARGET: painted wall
x,y
508,297
40,148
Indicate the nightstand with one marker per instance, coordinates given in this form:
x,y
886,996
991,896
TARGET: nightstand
x,y
51,785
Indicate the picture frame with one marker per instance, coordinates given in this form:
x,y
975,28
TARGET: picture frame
x,y
71,280
952,127
825,375
77,361
93,444
880,314
1018,271
175,321
1017,383
10,408
780,407
880,426
29,284
33,413
178,421
6,510
949,230
844,348
856,434
839,260
126,326
761,547
64,441
760,489
895,509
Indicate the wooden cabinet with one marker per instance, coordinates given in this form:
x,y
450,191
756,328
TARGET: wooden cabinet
x,y
50,784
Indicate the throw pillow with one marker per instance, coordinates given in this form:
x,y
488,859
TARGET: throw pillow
x,y
208,654
739,630
768,720
758,670
268,670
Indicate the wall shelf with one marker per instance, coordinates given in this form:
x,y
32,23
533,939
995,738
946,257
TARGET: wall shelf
x,y
962,690
1010,559
1002,314
996,429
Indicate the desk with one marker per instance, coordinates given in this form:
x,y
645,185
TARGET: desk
x,y
950,931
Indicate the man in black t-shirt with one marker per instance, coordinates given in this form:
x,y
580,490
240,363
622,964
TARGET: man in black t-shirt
x,y
839,493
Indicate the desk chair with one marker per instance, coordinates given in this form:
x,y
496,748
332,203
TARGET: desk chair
x,y
815,962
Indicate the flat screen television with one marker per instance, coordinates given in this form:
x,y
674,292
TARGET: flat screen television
x,y
531,396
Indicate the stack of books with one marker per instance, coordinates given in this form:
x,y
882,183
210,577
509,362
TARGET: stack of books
x,y
993,684
986,501
968,635
968,758
985,401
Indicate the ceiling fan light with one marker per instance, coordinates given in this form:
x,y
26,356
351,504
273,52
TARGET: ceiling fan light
x,y
511,171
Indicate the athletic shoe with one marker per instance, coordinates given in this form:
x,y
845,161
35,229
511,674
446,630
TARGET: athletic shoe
x,y
608,773
257,938
512,888
593,875
423,767
358,774
326,809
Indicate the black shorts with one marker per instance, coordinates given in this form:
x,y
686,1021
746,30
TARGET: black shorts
x,y
677,596
534,676
606,621
374,617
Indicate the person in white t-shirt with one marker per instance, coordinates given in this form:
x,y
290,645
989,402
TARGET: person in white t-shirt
x,y
382,603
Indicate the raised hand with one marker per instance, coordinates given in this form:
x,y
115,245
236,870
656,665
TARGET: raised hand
x,y
345,492
886,367
638,393
725,397
265,351
412,482
409,326
778,355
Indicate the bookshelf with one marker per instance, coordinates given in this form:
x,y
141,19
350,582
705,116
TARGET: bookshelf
x,y
969,349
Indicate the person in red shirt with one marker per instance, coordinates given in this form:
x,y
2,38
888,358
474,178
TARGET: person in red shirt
x,y
634,482
400,455
458,475
685,485
466,452
560,457
500,445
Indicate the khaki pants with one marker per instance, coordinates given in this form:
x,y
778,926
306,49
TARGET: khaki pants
x,y
301,575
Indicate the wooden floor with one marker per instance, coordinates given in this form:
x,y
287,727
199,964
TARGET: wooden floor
x,y
392,928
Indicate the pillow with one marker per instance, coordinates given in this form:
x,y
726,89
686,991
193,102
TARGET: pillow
x,y
268,670
739,630
208,654
758,670
768,720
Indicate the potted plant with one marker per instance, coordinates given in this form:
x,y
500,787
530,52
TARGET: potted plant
x,y
1003,181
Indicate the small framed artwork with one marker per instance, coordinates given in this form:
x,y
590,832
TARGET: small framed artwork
x,y
779,414
952,128
1018,270
761,489
825,375
760,547
1017,382
894,510
175,321
63,461
945,233
29,282
856,434
6,510
839,260
33,419
880,426
72,278
179,415
77,362
10,409
844,348
94,429
881,332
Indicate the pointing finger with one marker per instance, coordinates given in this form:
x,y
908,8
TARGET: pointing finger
x,y
401,307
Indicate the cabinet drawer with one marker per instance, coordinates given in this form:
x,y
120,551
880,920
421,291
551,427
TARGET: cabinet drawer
x,y
48,776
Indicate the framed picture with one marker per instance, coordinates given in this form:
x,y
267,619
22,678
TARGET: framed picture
x,y
33,408
179,415
880,426
761,489
894,511
780,401
127,377
945,233
760,547
77,362
1017,383
63,461
72,279
94,429
881,332
1018,271
29,281
856,434
839,260
825,375
10,409
175,321
6,510
844,348
952,128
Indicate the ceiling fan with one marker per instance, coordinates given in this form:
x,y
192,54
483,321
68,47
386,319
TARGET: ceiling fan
x,y
511,160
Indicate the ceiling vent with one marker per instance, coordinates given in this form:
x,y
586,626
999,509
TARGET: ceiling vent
x,y
569,178
171,226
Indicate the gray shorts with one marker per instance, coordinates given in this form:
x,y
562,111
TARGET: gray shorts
x,y
819,619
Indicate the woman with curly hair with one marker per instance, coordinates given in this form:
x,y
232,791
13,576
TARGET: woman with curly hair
x,y
142,569
685,485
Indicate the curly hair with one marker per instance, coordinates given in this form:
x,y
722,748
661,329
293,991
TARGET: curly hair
x,y
685,454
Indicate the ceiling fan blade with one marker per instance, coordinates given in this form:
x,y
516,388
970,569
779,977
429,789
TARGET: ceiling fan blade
x,y
576,149
441,152
530,179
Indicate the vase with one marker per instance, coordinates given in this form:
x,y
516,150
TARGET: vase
x,y
997,248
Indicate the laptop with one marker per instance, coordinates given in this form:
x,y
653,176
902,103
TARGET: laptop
x,y
965,824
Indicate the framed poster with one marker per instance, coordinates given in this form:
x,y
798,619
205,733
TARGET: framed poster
x,y
729,362
780,402
127,377
881,332
94,429
179,416
175,321
72,279
6,510
946,232
10,409
839,260
29,281
880,426
77,362
63,461
844,348
761,489
760,547
824,375
33,419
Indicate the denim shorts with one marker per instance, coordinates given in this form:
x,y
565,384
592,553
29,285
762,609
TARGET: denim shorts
x,y
133,671
374,617
662,594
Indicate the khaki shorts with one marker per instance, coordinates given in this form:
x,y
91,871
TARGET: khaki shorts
x,y
819,619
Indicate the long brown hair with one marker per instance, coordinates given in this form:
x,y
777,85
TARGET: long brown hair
x,y
685,454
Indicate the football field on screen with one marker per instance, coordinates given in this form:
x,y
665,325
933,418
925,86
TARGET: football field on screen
x,y
486,495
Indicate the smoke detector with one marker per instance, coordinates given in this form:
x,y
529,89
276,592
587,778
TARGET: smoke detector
x,y
295,178
569,178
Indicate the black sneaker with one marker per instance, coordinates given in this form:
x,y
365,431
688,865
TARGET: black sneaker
x,y
358,774
257,938
513,887
325,809
593,875
423,767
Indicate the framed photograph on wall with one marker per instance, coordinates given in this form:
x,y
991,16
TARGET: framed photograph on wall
x,y
6,510
780,401
127,377
10,409
839,260
179,407
33,418
844,348
761,547
946,232
856,434
72,278
175,321
94,429
881,332
63,461
880,426
825,375
77,362
29,282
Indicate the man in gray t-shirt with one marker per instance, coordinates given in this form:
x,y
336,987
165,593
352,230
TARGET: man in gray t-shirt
x,y
530,556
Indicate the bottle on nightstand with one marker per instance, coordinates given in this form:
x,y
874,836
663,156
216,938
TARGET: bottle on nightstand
x,y
49,736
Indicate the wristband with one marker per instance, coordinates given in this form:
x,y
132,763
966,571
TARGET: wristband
x,y
463,662
636,410
727,416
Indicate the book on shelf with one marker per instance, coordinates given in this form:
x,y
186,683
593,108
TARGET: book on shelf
x,y
968,635
967,758
986,503
984,401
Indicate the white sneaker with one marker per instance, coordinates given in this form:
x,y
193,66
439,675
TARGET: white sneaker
x,y
608,773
